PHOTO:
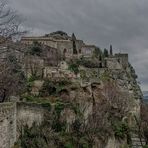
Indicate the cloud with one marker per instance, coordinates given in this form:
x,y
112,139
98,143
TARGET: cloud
x,y
122,23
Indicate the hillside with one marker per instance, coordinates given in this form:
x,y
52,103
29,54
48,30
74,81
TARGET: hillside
x,y
78,100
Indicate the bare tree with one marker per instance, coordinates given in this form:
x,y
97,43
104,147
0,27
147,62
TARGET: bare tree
x,y
12,80
10,21
119,101
11,77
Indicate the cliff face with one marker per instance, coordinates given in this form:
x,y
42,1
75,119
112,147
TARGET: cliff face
x,y
96,109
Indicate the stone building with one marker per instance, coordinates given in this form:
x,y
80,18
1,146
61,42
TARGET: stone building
x,y
64,43
35,65
87,50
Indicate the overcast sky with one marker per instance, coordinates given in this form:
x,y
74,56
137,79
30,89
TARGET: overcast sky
x,y
122,23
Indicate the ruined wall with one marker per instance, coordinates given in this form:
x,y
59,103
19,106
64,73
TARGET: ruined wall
x,y
7,125
123,59
13,116
28,113
67,44
42,40
113,63
59,44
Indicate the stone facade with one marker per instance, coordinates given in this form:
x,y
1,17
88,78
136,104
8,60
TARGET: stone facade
x,y
63,43
88,50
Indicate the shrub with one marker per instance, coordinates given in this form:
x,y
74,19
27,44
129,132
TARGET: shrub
x,y
120,129
36,49
48,89
74,67
47,106
53,87
69,145
59,107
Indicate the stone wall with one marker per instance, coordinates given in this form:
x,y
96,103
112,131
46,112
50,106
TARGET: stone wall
x,y
12,118
7,125
123,59
28,113
113,63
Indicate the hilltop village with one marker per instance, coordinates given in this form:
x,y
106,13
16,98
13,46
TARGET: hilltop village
x,y
74,94
49,55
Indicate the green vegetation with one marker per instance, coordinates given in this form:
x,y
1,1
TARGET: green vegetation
x,y
35,99
105,76
105,53
97,52
53,87
36,49
59,106
32,138
74,67
120,129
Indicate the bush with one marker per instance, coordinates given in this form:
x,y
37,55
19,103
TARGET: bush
x,y
47,106
53,87
36,49
59,107
120,129
74,67
48,89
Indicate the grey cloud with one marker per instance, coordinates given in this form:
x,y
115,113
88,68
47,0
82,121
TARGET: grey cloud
x,y
122,23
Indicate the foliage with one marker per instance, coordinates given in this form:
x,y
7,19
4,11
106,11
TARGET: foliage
x,y
53,87
59,107
36,49
34,99
69,145
48,88
10,22
102,122
12,78
89,63
133,73
82,74
105,76
74,44
97,52
58,126
62,33
74,67
105,53
121,129
33,137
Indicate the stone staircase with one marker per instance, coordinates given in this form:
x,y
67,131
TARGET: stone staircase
x,y
137,142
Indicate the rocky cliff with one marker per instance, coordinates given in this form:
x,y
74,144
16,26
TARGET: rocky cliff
x,y
96,109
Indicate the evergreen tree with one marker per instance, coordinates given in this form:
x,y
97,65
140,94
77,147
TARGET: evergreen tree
x,y
105,53
97,52
111,50
100,59
74,44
